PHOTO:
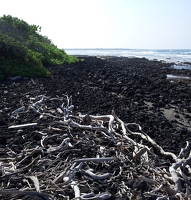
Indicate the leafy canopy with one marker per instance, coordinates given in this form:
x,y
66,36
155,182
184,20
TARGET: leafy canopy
x,y
24,52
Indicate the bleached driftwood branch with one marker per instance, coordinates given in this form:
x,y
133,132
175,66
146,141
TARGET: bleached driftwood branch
x,y
23,126
25,193
71,123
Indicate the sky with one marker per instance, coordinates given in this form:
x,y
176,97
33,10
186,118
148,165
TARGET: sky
x,y
136,24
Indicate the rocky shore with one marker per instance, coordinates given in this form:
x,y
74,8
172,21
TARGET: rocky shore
x,y
137,90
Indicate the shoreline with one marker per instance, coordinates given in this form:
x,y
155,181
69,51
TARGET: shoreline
x,y
179,64
168,55
136,90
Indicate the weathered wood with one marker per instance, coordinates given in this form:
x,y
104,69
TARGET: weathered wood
x,y
23,126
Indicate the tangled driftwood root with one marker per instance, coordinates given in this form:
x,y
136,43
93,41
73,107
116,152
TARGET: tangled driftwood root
x,y
96,157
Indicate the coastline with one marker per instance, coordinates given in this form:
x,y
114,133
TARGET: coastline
x,y
168,55
137,89
123,79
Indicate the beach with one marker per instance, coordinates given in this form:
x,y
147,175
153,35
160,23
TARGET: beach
x,y
139,91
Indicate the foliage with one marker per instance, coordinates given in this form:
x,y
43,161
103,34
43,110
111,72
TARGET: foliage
x,y
24,52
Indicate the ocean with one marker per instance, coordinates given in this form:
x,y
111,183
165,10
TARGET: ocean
x,y
168,55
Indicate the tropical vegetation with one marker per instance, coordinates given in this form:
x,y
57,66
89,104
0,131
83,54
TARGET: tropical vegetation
x,y
25,52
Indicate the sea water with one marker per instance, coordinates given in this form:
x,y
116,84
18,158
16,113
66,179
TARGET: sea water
x,y
167,55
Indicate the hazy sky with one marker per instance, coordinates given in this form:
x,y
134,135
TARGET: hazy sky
x,y
142,24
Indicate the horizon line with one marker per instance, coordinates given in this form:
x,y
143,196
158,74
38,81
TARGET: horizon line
x,y
132,48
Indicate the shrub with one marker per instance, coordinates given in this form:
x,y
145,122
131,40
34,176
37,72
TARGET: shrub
x,y
24,52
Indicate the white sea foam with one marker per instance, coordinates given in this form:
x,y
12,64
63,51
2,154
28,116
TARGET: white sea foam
x,y
179,55
182,67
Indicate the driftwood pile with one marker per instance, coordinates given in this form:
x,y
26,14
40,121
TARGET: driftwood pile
x,y
87,157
